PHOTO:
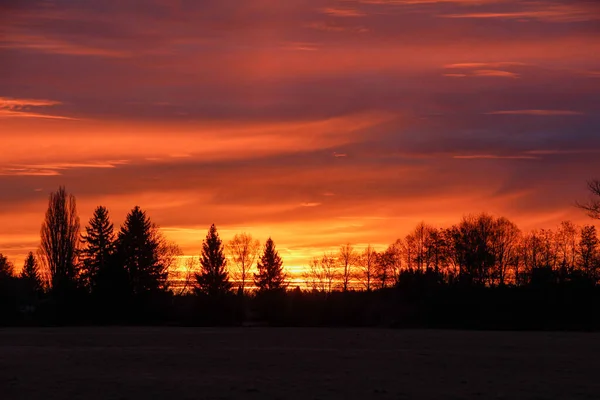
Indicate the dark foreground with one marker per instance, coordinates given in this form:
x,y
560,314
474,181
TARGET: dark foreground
x,y
259,363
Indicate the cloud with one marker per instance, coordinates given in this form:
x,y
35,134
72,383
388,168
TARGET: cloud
x,y
19,108
537,112
333,27
311,204
494,157
24,114
489,65
55,169
17,171
55,46
20,103
539,11
495,73
342,12
561,152
483,69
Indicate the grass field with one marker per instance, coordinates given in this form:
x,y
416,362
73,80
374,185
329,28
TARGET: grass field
x,y
263,363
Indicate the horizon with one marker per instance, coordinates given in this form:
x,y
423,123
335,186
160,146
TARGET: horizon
x,y
317,123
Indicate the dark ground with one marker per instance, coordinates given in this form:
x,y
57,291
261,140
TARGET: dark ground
x,y
259,363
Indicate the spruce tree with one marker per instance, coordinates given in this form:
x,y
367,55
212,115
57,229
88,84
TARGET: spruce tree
x,y
138,253
6,267
30,274
271,276
213,280
97,255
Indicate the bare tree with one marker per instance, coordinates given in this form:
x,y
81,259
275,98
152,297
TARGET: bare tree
x,y
329,270
566,242
313,275
60,240
592,207
243,250
347,259
188,275
506,239
588,251
385,267
321,273
368,267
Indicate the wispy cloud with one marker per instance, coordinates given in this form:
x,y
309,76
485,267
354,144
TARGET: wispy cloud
x,y
495,73
27,172
19,103
433,2
20,108
483,69
536,112
560,152
331,27
55,169
539,11
495,157
484,65
456,75
55,46
342,12
310,204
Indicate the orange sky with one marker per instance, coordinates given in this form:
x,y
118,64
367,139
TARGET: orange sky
x,y
315,122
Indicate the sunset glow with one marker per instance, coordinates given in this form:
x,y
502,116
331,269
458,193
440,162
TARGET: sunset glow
x,y
317,123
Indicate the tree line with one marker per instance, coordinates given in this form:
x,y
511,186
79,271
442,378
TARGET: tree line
x,y
104,275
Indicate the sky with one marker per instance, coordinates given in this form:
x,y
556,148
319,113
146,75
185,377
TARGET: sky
x,y
318,122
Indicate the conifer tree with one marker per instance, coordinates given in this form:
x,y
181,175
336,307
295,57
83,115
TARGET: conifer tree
x,y
97,255
139,247
30,274
213,280
271,276
6,267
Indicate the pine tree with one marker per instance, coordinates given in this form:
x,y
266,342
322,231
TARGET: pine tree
x,y
138,252
213,280
270,275
6,267
99,242
30,274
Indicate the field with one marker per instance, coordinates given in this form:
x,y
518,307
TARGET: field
x,y
262,363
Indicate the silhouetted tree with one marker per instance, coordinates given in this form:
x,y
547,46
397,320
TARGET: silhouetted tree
x,y
60,241
314,277
243,249
97,254
213,279
368,267
592,207
6,267
472,248
566,248
394,253
30,274
385,268
347,259
140,251
270,276
505,243
588,251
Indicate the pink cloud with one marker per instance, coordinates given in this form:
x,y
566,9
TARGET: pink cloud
x,y
495,73
536,112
